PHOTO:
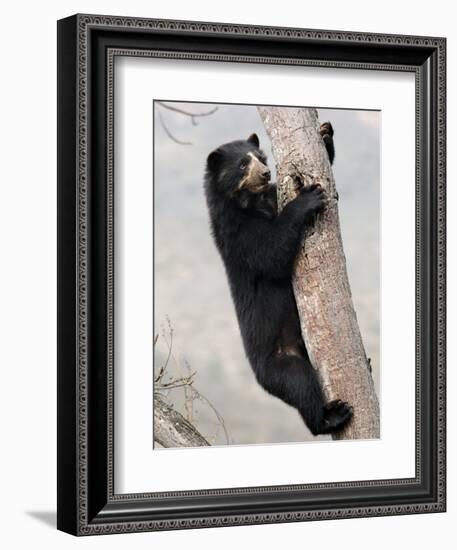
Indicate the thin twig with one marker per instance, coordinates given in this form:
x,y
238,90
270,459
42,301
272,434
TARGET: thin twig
x,y
187,113
216,412
185,382
170,135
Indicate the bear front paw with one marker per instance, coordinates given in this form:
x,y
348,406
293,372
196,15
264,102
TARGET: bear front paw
x,y
326,131
315,198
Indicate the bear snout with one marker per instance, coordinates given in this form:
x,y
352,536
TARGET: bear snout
x,y
266,175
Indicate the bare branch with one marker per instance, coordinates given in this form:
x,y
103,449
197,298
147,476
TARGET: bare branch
x,y
186,382
216,412
187,113
193,117
171,429
170,135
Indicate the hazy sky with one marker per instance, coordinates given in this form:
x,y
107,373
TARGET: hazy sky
x,y
191,288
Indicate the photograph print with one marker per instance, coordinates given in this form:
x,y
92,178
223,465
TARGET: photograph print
x,y
266,274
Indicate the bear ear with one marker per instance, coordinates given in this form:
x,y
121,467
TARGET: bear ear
x,y
253,138
214,159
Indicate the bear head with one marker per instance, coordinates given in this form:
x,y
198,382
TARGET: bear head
x,y
238,166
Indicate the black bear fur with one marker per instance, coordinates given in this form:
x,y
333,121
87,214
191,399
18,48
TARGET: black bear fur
x,y
258,247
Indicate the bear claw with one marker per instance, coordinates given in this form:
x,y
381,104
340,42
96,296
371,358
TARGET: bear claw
x,y
337,413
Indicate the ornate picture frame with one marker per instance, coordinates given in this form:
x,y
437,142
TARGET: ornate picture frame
x,y
87,47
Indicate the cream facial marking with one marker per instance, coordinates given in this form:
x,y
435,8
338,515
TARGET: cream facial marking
x,y
254,177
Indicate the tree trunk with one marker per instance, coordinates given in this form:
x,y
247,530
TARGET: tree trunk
x,y
320,281
171,429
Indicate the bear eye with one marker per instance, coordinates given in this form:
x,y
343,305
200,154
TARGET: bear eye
x,y
243,165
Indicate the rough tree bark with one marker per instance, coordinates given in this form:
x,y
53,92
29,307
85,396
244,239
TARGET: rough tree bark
x,y
321,287
171,429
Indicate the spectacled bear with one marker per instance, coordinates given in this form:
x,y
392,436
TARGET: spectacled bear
x,y
258,246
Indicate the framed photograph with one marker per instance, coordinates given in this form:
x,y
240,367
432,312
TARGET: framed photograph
x,y
251,274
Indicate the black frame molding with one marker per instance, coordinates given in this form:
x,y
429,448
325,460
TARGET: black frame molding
x,y
87,47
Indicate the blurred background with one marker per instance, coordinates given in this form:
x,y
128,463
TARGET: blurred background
x,y
196,333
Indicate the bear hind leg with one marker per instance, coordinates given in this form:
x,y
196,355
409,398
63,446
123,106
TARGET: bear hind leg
x,y
294,380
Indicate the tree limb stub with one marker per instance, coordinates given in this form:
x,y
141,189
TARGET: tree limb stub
x,y
320,281
171,429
